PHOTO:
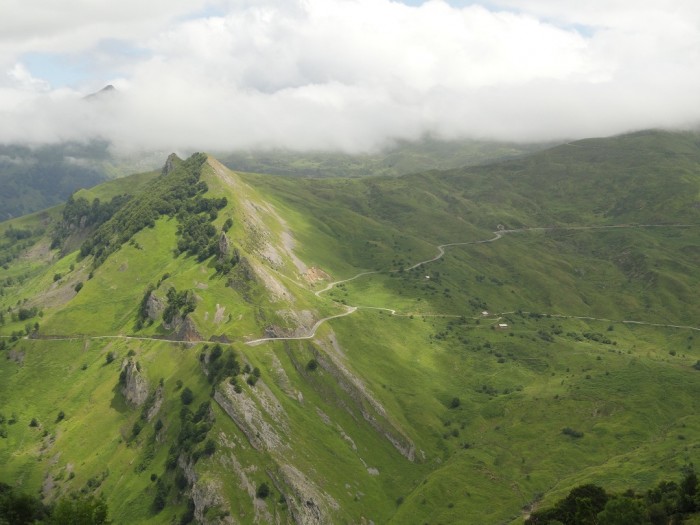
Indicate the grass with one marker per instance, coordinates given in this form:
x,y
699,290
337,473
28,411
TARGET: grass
x,y
627,393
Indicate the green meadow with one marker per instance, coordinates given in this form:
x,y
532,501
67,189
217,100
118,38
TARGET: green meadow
x,y
472,388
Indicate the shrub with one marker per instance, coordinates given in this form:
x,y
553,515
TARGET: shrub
x,y
312,365
263,491
33,422
78,286
209,447
455,402
571,432
187,396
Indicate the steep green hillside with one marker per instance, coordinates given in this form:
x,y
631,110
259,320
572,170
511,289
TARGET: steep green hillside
x,y
452,347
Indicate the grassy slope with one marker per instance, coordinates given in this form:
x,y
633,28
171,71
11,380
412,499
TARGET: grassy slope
x,y
634,400
399,159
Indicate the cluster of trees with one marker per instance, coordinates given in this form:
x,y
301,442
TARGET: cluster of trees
x,y
225,264
179,304
220,364
197,237
17,234
26,313
191,444
166,195
76,509
79,213
668,503
177,193
142,313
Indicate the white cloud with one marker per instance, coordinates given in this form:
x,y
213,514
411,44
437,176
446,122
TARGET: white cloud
x,y
353,74
22,79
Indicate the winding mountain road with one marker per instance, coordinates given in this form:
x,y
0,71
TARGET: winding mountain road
x,y
349,310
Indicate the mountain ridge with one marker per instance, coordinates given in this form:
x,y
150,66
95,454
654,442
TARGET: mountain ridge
x,y
418,407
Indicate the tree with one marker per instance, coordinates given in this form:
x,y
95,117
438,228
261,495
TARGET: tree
x,y
688,489
80,510
263,491
19,509
187,396
623,511
209,447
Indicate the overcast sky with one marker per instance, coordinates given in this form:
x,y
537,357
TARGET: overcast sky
x,y
344,74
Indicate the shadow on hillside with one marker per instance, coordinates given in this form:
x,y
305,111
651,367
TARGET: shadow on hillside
x,y
118,402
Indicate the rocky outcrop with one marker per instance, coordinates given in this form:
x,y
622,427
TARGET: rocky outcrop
x,y
206,495
169,164
134,386
155,406
187,331
154,307
369,407
184,329
224,246
307,503
244,411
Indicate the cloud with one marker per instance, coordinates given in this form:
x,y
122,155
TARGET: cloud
x,y
357,74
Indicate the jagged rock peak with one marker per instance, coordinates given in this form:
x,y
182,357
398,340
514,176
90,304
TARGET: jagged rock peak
x,y
170,163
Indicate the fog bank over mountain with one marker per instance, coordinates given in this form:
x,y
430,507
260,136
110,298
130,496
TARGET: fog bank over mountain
x,y
347,75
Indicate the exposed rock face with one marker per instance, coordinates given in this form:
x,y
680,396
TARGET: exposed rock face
x,y
369,407
154,307
243,410
134,385
174,323
308,504
157,403
224,246
169,164
187,331
206,495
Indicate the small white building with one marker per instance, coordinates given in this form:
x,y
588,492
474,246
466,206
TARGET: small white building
x,y
502,326
484,313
